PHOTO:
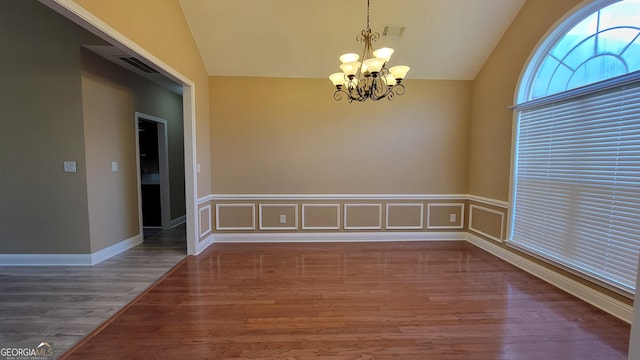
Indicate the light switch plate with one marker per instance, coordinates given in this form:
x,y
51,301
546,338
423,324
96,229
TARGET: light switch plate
x,y
114,166
69,166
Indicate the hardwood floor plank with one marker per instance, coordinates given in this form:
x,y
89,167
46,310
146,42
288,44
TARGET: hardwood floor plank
x,y
423,300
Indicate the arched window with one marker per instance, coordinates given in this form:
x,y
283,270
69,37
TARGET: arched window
x,y
576,181
604,45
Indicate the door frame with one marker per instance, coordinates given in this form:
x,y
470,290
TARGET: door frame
x,y
163,167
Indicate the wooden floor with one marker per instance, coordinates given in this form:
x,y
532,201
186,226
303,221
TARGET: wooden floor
x,y
63,304
430,300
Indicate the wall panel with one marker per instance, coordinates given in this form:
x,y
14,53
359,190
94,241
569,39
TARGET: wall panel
x,y
445,216
235,216
278,216
404,216
204,216
321,216
487,222
362,216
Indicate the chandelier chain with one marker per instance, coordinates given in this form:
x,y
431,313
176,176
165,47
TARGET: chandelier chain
x,y
368,6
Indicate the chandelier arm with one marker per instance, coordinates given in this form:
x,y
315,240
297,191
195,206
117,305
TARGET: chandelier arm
x,y
352,92
337,96
398,89
359,91
374,90
381,89
386,94
390,95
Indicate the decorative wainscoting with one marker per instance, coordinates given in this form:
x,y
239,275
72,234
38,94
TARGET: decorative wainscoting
x,y
333,214
304,216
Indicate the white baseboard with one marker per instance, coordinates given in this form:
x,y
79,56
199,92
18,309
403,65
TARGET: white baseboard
x,y
338,237
115,249
177,221
606,303
69,259
204,243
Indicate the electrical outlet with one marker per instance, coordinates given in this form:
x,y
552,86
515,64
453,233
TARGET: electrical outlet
x,y
453,218
283,219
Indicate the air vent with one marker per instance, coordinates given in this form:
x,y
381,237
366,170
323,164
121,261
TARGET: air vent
x,y
393,30
139,65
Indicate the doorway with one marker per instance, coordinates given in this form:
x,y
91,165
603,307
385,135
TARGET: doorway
x,y
153,174
79,15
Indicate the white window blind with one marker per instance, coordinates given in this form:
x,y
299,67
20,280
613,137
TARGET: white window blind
x,y
577,184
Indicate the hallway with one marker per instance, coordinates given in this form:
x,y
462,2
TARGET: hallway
x,y
62,304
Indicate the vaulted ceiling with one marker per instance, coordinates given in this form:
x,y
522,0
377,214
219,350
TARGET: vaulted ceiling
x,y
443,39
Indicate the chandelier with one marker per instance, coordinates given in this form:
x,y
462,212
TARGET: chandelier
x,y
370,78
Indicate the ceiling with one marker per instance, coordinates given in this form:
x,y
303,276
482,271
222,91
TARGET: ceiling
x,y
443,39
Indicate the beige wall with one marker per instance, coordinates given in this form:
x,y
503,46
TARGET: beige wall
x,y
109,136
111,96
494,89
288,136
160,28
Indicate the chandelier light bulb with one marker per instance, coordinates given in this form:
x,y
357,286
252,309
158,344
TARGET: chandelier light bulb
x,y
383,53
350,68
399,72
337,78
390,80
374,64
349,57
